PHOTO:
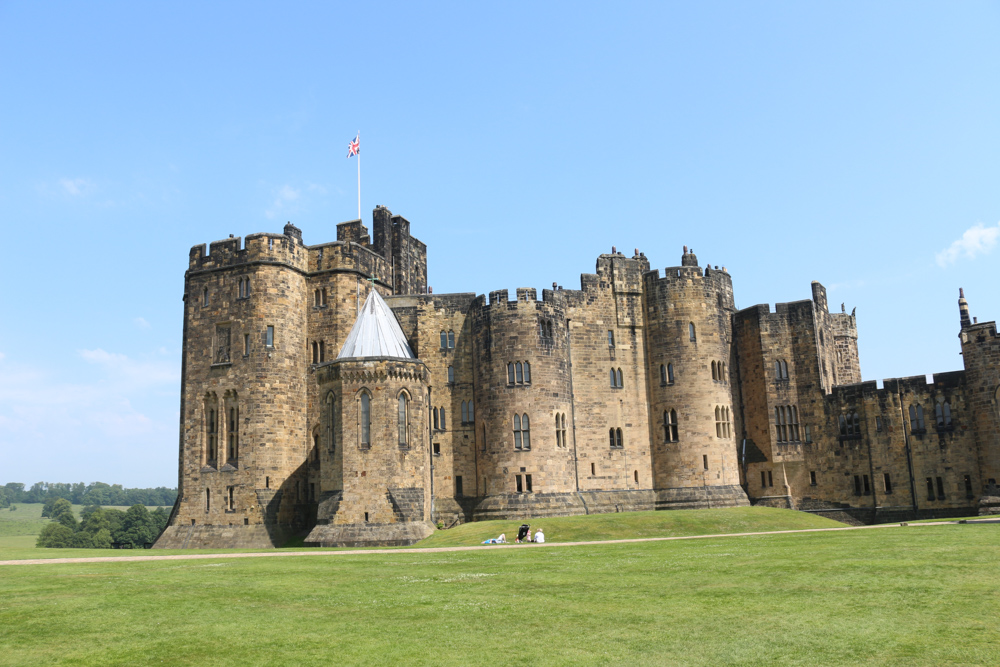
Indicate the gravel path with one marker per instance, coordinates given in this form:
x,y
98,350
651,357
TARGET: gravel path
x,y
431,550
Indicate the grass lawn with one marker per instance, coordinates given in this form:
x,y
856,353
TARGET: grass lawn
x,y
636,524
890,596
563,529
20,528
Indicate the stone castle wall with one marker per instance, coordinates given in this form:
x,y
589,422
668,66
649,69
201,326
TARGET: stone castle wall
x,y
596,438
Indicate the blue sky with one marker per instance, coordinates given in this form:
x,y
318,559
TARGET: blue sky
x,y
852,143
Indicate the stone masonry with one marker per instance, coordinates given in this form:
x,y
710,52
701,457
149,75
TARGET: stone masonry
x,y
643,389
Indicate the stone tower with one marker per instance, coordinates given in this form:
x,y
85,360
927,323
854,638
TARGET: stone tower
x,y
693,425
375,487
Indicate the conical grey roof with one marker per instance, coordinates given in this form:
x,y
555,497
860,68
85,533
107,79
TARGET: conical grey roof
x,y
376,333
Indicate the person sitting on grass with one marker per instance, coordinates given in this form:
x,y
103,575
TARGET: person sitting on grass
x,y
539,536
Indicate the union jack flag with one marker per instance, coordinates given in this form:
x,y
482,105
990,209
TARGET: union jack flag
x,y
354,147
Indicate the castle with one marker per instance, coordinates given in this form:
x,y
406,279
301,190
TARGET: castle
x,y
327,391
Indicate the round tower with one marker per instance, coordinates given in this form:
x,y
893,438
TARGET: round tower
x,y
689,356
523,409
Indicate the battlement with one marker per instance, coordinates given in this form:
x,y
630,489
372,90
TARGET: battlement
x,y
525,295
915,384
785,310
263,247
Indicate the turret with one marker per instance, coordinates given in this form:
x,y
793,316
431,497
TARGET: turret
x,y
689,258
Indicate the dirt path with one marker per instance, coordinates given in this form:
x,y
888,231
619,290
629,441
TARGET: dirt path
x,y
431,550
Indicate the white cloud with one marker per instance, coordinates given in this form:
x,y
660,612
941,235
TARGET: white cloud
x,y
75,186
141,323
117,421
286,194
977,240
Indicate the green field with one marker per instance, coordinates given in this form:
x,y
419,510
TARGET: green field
x,y
630,525
20,528
889,596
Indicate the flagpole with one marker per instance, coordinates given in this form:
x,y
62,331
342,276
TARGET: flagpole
x,y
359,174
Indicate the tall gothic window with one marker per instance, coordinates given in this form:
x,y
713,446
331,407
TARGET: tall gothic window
x,y
942,413
331,416
366,419
522,433
233,433
403,417
451,340
917,419
691,333
670,373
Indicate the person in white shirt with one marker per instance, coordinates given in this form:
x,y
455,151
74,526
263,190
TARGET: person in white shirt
x,y
539,536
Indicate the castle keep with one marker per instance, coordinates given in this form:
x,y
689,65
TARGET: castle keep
x,y
326,391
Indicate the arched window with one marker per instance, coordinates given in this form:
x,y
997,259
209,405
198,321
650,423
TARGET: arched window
x,y
315,349
857,424
444,340
670,425
322,351
472,413
451,375
527,373
611,437
331,416
510,373
781,426
525,431
663,374
843,424
916,418
465,412
366,419
316,298
434,413
403,421
691,332
519,372
443,426
718,422
943,413
558,432
715,373
620,382
211,429
620,441
784,369
233,433
795,423
670,373
614,379
451,340
517,432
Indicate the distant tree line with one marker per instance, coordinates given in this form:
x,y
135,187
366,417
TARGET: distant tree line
x,y
97,493
99,528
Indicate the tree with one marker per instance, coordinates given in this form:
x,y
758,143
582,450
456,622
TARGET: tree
x,y
54,536
138,526
82,540
47,508
16,491
62,512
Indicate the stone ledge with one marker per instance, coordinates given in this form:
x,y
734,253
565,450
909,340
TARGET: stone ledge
x,y
369,534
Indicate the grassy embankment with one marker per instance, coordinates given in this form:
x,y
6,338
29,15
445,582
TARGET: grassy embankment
x,y
630,525
890,596
24,525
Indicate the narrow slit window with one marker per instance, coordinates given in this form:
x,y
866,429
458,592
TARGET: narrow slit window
x,y
451,375
366,422
269,337
670,373
691,333
527,373
403,419
451,340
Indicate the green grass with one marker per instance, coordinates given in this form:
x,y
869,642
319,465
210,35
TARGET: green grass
x,y
564,529
889,596
629,525
20,528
